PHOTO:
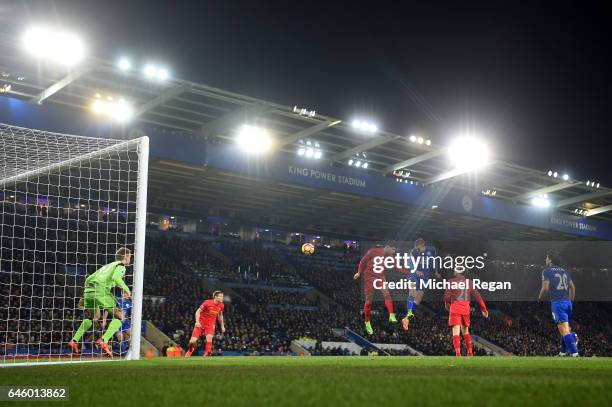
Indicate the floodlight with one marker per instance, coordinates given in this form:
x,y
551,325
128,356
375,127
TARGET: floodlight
x,y
350,162
309,152
413,139
57,46
468,153
317,154
301,151
565,177
253,139
124,64
120,110
162,74
365,165
150,71
358,164
365,126
540,202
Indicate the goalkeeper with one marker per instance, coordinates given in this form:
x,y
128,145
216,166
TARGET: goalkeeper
x,y
97,296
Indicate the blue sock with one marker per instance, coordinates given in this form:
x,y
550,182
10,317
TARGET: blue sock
x,y
410,305
570,343
563,346
122,348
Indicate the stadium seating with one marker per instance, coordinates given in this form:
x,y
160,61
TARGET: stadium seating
x,y
265,315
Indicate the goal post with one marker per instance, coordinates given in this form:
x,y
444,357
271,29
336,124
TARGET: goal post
x,y
67,204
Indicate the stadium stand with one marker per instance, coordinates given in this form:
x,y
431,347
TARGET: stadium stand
x,y
267,319
276,295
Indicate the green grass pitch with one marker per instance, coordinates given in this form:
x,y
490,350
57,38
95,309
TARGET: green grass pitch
x,y
321,381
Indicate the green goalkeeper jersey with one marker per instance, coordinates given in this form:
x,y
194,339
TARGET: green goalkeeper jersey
x,y
107,277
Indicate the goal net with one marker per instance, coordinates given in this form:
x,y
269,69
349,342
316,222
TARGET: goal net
x,y
67,204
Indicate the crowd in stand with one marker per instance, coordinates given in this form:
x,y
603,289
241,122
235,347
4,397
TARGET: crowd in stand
x,y
265,321
303,297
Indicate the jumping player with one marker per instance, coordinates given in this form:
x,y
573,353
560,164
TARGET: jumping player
x,y
97,296
366,266
558,283
457,302
421,275
205,318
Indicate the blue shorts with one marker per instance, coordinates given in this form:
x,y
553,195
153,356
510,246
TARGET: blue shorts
x,y
561,311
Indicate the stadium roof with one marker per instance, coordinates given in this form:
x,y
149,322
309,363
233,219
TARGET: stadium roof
x,y
214,114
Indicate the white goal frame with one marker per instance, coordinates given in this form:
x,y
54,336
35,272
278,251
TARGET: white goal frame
x,y
142,145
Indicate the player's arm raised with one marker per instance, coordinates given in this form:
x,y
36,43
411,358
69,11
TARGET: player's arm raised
x,y
197,318
221,322
572,291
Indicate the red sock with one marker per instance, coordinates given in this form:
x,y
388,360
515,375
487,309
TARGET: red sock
x,y
457,345
367,310
468,343
389,305
190,348
208,347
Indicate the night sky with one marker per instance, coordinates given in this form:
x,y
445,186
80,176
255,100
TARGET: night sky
x,y
534,80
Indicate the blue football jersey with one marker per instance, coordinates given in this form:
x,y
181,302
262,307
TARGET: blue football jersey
x,y
126,307
425,265
558,283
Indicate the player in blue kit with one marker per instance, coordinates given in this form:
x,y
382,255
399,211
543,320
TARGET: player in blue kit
x,y
125,332
423,262
558,283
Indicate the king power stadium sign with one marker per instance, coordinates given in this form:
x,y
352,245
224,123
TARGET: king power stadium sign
x,y
326,176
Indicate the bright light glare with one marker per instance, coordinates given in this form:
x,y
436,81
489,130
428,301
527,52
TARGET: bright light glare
x,y
254,140
317,154
150,71
365,165
365,126
413,139
162,74
124,64
60,47
540,202
300,151
120,111
468,153
565,177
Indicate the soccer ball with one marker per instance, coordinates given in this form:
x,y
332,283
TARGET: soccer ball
x,y
308,249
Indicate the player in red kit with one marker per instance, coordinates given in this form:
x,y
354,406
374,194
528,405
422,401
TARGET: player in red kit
x,y
206,317
370,283
457,302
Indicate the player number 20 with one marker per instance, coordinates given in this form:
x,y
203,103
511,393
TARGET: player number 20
x,y
562,285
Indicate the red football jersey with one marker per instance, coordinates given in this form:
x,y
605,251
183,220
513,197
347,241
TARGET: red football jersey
x,y
459,298
367,263
209,310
